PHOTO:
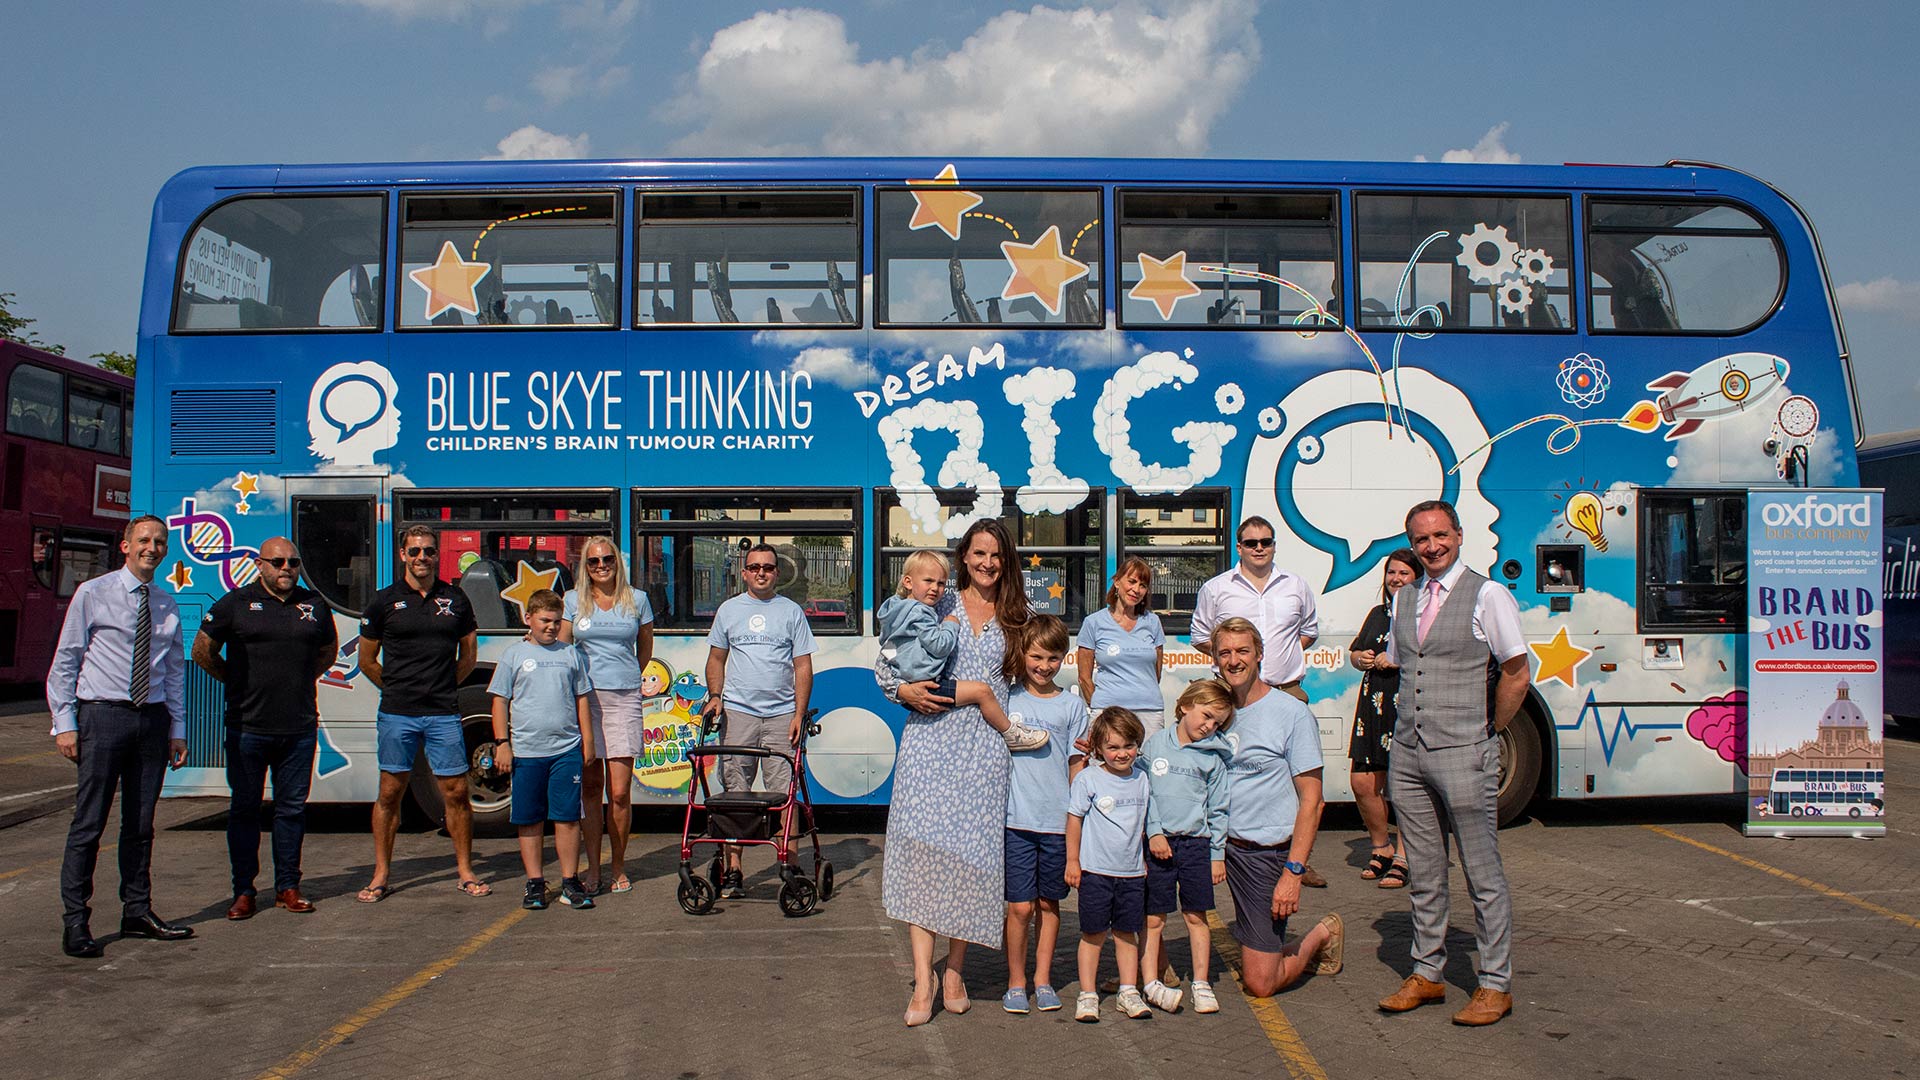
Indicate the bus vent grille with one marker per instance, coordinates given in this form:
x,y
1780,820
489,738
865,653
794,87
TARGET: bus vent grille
x,y
226,422
206,720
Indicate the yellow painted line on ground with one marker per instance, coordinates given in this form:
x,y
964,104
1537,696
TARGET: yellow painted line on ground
x,y
1784,875
1280,1031
22,759
55,861
345,1029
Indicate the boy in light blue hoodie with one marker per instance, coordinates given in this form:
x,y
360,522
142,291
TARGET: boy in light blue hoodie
x,y
1186,766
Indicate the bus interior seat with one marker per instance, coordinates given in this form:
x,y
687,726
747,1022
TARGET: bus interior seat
x,y
492,298
606,303
993,309
255,315
482,583
1080,306
366,295
662,312
773,310
837,286
721,292
557,315
963,308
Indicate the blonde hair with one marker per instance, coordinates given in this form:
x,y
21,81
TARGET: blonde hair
x,y
1114,720
622,591
1209,692
1238,625
920,559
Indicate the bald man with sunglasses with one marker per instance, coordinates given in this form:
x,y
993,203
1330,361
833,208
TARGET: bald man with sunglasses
x,y
269,642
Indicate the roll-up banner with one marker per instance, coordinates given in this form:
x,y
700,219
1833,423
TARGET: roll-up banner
x,y
1816,759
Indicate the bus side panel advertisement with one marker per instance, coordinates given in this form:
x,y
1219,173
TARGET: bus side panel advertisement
x,y
1816,759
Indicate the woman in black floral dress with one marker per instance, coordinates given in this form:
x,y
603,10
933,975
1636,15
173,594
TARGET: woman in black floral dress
x,y
1373,725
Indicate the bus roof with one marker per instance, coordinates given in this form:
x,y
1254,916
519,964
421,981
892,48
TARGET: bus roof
x,y
1889,444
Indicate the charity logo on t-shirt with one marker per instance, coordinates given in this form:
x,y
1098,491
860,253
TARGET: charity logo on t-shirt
x,y
1159,766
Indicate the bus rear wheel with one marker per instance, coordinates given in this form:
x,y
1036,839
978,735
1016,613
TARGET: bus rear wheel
x,y
488,789
1519,767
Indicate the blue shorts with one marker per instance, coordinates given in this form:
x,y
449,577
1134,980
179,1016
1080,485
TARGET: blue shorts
x,y
1189,873
546,788
1112,903
1252,875
401,737
1036,866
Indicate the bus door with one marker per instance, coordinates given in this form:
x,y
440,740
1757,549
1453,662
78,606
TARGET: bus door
x,y
335,525
42,610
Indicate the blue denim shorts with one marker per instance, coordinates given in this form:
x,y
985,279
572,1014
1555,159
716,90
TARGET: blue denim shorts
x,y
1036,866
401,738
546,788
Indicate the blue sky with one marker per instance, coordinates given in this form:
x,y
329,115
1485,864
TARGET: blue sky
x,y
105,101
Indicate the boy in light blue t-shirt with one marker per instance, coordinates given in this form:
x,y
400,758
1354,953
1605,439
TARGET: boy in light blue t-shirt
x,y
1187,766
540,691
1106,823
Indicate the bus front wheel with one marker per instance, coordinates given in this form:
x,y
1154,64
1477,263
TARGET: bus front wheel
x,y
488,789
1520,759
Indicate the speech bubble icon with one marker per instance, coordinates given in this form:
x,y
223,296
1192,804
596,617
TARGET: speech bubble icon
x,y
351,403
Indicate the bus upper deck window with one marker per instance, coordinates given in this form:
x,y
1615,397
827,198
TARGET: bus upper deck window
x,y
1229,258
755,258
1698,266
545,259
1464,262
277,263
947,256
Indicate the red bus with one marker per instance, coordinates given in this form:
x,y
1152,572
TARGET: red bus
x,y
63,495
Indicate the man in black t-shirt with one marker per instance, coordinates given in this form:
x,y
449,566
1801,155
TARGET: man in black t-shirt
x,y
417,646
279,638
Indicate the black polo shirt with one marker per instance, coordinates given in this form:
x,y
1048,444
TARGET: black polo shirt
x,y
273,651
419,640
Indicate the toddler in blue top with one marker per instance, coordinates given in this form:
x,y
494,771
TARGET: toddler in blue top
x,y
1187,767
920,646
1036,834
540,689
1106,821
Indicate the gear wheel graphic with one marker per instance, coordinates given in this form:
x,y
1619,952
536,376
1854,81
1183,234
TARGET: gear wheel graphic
x,y
1505,253
1515,294
1535,264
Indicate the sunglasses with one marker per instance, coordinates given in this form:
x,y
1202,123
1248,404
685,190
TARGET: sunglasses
x,y
1258,543
762,567
602,560
282,564
416,552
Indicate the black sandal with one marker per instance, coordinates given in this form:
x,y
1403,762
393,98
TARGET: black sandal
x,y
1396,875
1377,866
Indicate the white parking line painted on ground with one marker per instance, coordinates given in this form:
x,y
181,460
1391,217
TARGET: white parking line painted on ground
x,y
42,791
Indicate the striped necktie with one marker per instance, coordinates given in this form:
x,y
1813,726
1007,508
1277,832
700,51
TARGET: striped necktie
x,y
142,651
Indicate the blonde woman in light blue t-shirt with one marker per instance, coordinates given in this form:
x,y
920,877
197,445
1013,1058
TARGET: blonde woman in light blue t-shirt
x,y
613,626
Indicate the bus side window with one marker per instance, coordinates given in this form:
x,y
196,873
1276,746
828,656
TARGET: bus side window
x,y
506,260
335,536
273,263
767,257
1697,266
46,553
1693,568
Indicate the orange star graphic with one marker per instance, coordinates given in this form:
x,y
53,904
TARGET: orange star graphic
x,y
942,208
1040,270
180,577
1163,282
1056,591
246,485
449,281
1559,659
526,582
1033,561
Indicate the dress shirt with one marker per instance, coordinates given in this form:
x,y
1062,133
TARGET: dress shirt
x,y
94,660
1284,612
1496,615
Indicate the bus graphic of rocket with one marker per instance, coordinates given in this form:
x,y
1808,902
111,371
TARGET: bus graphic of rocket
x,y
1715,390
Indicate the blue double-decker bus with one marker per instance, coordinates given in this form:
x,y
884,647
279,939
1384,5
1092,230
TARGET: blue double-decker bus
x,y
852,359
1891,460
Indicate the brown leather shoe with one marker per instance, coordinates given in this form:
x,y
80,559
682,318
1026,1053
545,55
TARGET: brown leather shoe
x,y
1487,1007
293,901
242,908
1413,993
1312,879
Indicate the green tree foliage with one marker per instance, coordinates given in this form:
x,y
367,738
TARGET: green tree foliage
x,y
15,327
117,362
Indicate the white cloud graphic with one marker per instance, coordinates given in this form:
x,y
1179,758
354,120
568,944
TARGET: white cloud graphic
x,y
1113,430
962,467
835,365
1048,490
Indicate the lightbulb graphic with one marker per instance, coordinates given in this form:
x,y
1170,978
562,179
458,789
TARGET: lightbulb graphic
x,y
1583,516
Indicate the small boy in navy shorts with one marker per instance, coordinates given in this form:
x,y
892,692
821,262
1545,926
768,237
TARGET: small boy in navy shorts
x,y
1187,771
1106,824
541,686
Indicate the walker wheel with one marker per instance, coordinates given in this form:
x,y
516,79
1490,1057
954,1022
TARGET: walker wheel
x,y
798,898
823,880
696,895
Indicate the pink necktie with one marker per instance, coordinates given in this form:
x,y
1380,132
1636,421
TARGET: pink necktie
x,y
1433,608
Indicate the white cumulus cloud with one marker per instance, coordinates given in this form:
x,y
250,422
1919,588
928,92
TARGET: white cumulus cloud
x,y
1490,150
1886,295
532,141
834,365
1129,77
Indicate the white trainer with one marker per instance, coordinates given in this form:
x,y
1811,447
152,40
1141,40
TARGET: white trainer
x,y
1203,999
1132,1004
1021,737
1086,1008
1162,997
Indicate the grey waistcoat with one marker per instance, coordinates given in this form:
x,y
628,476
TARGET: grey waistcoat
x,y
1443,682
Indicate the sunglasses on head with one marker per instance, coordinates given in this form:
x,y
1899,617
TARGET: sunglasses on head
x,y
416,552
762,567
602,560
1257,543
282,564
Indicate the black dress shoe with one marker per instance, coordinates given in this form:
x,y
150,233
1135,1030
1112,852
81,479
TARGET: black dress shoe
x,y
151,926
78,941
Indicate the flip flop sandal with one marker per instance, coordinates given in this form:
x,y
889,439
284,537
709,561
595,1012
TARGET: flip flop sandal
x,y
1377,865
373,894
621,884
475,888
1395,877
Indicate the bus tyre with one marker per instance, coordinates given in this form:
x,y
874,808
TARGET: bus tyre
x,y
488,789
1519,767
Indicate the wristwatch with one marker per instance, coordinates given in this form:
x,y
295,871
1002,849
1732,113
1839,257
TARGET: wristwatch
x,y
1297,869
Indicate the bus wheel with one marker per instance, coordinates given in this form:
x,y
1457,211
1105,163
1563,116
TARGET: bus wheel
x,y
488,789
1519,767
1799,811
1855,812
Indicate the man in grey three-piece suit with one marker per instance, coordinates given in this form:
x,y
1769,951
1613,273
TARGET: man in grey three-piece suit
x,y
1449,629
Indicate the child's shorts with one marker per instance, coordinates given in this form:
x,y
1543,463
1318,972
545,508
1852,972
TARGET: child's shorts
x,y
1189,873
1112,903
1036,866
546,788
1252,875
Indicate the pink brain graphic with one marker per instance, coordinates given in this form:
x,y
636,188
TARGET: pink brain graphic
x,y
1721,723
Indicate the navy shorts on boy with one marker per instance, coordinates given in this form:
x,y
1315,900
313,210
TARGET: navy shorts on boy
x,y
1036,866
1183,882
1112,903
1252,875
544,684
546,788
1113,821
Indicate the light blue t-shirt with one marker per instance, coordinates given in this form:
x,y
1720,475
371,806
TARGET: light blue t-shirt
x,y
1189,785
921,643
544,683
1037,788
1127,671
1274,740
1113,820
606,637
762,639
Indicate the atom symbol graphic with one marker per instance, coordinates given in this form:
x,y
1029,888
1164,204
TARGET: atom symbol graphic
x,y
1582,380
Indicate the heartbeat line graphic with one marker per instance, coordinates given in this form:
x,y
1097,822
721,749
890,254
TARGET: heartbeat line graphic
x,y
1622,723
